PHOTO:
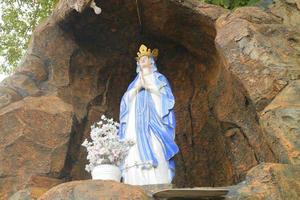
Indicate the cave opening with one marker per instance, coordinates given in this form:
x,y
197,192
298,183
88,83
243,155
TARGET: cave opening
x,y
207,96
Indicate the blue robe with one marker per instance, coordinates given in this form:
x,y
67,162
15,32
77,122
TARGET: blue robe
x,y
148,119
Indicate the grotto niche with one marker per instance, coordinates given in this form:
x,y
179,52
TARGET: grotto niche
x,y
78,65
217,128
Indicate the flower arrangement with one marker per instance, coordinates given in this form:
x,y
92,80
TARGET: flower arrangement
x,y
106,146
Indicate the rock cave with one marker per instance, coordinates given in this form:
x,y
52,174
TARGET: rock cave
x,y
209,137
78,65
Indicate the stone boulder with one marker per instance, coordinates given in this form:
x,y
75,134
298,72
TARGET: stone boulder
x,y
288,11
37,186
95,189
263,50
35,135
281,123
268,181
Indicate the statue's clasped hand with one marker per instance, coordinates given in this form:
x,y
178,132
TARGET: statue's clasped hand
x,y
152,88
142,84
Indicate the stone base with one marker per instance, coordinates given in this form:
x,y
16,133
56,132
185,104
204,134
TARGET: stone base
x,y
166,191
192,193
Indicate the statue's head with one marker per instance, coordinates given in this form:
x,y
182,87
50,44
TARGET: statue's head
x,y
146,58
145,61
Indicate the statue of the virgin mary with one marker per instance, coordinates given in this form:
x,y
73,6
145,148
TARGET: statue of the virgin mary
x,y
147,117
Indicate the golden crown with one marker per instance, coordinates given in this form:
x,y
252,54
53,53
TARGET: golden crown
x,y
144,51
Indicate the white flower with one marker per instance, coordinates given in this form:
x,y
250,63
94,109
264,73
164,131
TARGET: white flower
x,y
106,146
87,168
85,143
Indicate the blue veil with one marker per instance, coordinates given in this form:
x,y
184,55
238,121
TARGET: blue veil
x,y
148,119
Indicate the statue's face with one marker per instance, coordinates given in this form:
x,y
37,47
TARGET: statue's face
x,y
144,61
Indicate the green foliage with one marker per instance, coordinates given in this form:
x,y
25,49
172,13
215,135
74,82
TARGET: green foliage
x,y
231,4
18,20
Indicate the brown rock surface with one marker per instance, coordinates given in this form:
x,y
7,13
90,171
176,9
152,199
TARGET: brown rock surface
x,y
79,64
35,134
95,189
281,123
37,186
262,51
268,181
288,11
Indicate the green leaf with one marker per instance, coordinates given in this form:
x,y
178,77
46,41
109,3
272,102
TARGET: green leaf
x,y
19,18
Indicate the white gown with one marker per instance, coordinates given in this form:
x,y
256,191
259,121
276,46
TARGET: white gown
x,y
133,173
